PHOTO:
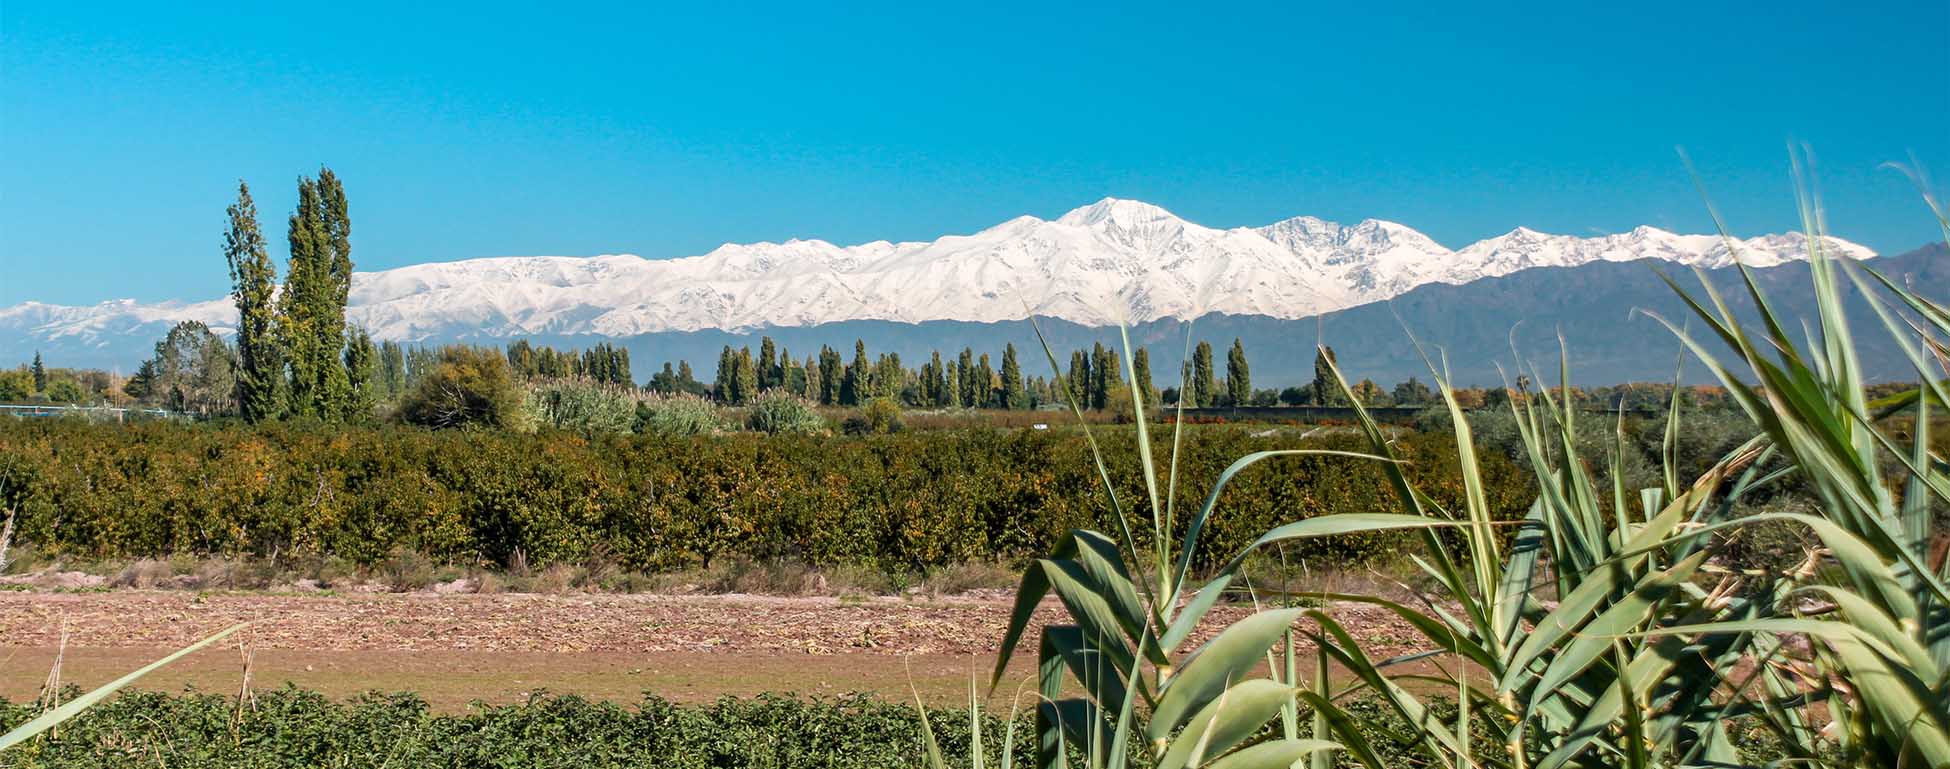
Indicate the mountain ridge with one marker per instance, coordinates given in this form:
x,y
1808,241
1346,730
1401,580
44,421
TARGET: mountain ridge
x,y
1112,261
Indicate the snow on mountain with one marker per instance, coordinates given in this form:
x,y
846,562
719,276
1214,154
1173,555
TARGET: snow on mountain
x,y
1109,261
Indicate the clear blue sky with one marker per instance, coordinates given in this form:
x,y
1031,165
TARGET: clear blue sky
x,y
485,128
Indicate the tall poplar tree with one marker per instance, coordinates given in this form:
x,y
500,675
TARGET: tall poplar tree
x,y
1239,382
1012,395
1077,383
362,376
1141,371
312,307
1325,391
831,376
1204,388
721,385
253,283
768,364
814,387
853,388
1103,376
744,386
965,382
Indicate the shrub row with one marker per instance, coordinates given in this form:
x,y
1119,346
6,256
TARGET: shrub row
x,y
297,728
908,501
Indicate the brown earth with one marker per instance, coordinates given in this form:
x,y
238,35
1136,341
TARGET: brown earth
x,y
453,649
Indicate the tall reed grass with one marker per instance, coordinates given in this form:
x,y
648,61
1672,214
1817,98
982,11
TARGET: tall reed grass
x,y
1602,630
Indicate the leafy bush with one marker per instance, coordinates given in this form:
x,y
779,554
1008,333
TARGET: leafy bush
x,y
677,415
908,502
881,416
468,386
778,411
296,728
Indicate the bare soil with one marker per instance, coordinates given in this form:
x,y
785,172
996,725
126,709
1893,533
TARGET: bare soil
x,y
455,649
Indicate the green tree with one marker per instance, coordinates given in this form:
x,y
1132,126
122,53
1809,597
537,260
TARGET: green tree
x,y
465,386
1239,382
1413,393
768,370
192,371
392,370
1012,396
312,307
1325,391
1077,382
815,387
361,375
965,379
1204,389
854,385
745,384
831,377
934,382
253,283
40,373
722,385
889,378
1103,376
1141,371
16,384
1371,394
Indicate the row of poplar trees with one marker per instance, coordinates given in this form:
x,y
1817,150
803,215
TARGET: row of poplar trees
x,y
296,357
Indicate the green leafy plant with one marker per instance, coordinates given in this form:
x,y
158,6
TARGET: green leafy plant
x,y
1598,630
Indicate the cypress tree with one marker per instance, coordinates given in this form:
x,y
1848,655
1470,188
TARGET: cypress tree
x,y
40,374
1204,389
253,282
1012,395
1239,383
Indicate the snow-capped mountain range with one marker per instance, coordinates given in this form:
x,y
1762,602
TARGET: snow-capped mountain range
x,y
1109,261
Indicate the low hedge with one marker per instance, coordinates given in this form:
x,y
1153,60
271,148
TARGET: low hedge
x,y
292,728
908,501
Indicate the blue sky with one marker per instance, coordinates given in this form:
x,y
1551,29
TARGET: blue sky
x,y
484,129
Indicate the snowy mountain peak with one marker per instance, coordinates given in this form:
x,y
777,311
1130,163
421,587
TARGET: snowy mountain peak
x,y
1118,213
1112,260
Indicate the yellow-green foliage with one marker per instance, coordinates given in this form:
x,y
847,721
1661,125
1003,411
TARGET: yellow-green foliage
x,y
904,501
